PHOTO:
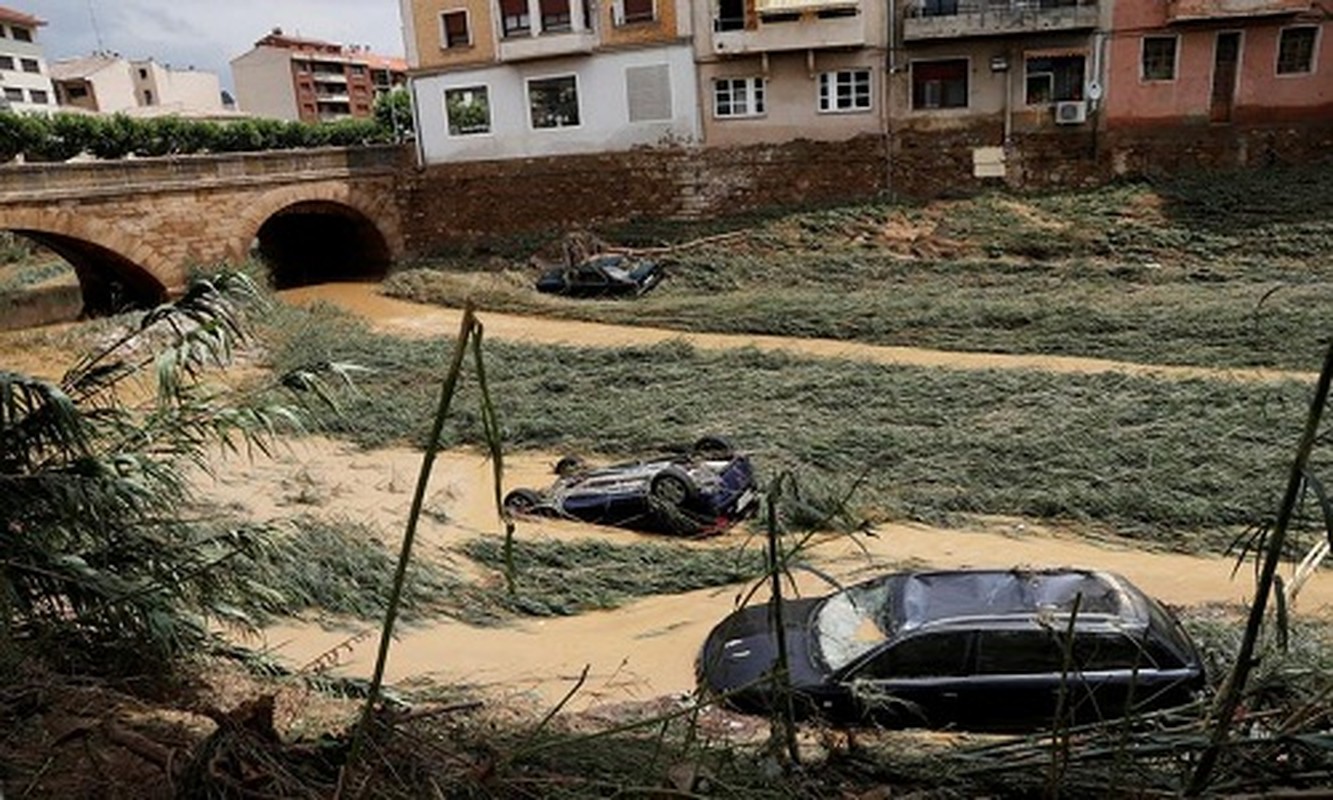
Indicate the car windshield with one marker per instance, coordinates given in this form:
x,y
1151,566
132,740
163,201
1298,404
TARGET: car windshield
x,y
851,623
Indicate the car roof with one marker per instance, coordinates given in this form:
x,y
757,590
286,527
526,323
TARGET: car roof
x,y
997,597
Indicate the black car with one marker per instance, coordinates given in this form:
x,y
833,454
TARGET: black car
x,y
602,276
973,649
706,490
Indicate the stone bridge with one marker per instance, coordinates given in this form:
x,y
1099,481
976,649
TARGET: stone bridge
x,y
134,229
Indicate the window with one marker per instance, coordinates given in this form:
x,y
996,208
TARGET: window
x,y
845,90
454,30
730,15
1295,50
554,102
1007,652
555,15
21,34
3,32
30,65
939,8
148,97
738,97
940,84
628,11
39,96
467,109
14,95
931,655
514,18
6,62
76,92
648,91
1051,79
1159,58
358,70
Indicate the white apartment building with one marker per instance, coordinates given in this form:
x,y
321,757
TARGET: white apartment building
x,y
24,81
110,84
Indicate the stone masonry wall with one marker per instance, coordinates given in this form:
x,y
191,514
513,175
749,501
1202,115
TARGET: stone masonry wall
x,y
451,204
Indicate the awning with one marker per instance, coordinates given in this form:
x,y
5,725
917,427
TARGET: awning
x,y
789,6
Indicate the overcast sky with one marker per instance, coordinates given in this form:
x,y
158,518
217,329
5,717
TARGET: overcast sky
x,y
206,34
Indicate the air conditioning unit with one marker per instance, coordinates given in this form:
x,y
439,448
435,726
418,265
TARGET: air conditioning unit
x,y
1071,112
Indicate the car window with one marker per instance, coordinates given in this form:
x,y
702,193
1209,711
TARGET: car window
x,y
1016,652
851,623
1010,652
926,655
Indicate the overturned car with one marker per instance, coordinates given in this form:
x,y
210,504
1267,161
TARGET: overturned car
x,y
700,492
604,275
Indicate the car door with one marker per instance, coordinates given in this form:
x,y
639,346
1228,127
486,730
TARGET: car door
x,y
1018,674
915,680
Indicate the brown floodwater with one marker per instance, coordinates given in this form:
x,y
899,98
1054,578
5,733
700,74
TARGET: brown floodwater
x,y
645,649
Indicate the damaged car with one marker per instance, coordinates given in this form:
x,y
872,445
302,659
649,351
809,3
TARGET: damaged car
x,y
604,275
705,490
971,649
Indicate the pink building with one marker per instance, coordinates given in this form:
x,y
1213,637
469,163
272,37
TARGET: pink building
x,y
1219,61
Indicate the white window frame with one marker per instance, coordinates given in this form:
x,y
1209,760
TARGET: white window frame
x,y
578,99
752,98
490,110
1175,58
444,30
1314,51
618,14
826,90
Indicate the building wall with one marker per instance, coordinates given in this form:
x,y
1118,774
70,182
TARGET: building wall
x,y
263,79
22,80
992,94
1260,94
187,88
113,87
791,99
426,48
603,107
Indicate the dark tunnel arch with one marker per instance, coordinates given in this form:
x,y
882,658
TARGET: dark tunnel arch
x,y
110,282
319,241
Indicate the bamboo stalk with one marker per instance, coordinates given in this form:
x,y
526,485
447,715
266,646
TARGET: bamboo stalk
x,y
1230,698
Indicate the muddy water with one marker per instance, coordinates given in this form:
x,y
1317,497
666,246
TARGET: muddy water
x,y
399,316
647,648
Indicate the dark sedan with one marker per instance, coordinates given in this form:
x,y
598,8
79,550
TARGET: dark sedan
x,y
602,276
705,490
973,649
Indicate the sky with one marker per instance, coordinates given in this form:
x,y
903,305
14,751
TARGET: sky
x,y
206,34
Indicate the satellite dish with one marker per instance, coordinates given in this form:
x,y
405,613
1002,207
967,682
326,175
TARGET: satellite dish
x,y
1094,91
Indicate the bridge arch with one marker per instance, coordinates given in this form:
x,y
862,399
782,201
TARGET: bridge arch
x,y
316,234
115,270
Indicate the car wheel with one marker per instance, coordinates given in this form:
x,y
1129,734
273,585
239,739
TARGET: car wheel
x,y
569,465
672,487
713,448
522,501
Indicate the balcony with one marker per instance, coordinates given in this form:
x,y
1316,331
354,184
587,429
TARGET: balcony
x,y
792,25
960,19
523,47
1202,10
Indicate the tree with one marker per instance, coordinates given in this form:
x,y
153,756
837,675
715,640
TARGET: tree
x,y
393,113
96,562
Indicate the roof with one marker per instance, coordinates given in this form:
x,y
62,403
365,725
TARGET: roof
x,y
926,598
82,67
13,17
332,50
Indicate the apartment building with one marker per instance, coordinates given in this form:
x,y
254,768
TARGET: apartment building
x,y
24,79
109,84
776,70
1003,66
288,77
1182,62
509,78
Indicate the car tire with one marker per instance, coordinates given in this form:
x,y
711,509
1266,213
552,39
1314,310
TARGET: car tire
x,y
713,448
522,501
569,465
671,487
